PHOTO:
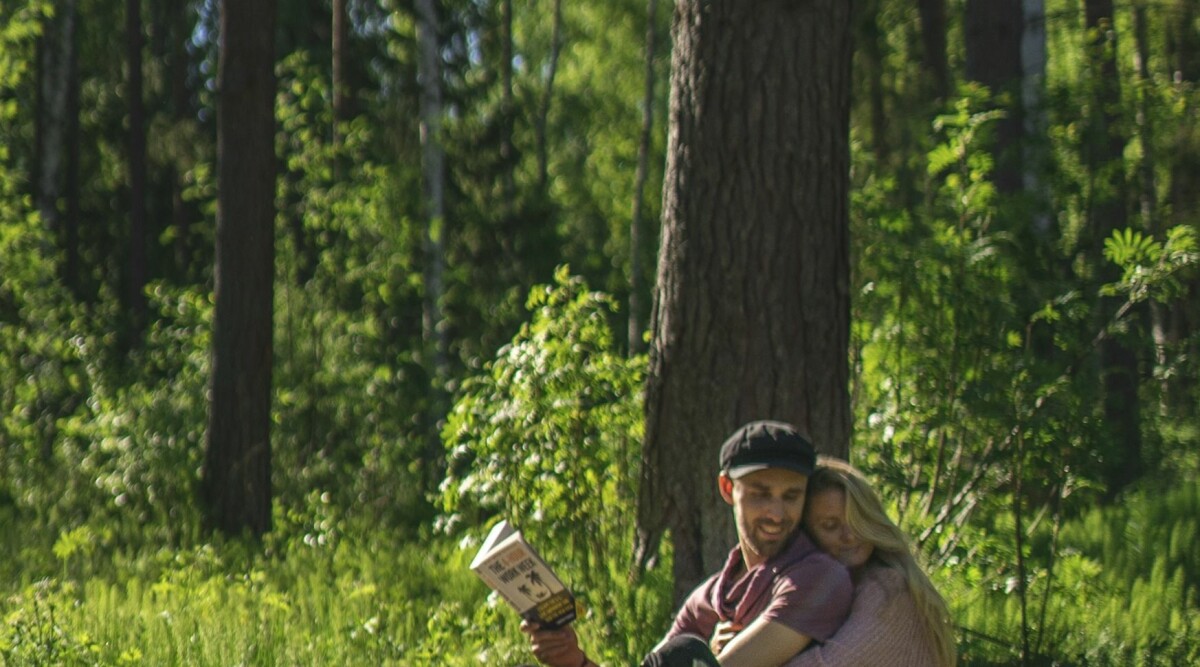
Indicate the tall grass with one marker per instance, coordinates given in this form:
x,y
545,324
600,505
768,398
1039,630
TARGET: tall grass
x,y
369,599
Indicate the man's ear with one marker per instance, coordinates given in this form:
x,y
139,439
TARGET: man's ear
x,y
725,485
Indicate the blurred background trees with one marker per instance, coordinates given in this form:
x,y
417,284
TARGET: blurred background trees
x,y
1024,329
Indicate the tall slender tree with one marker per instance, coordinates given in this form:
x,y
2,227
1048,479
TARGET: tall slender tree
x,y
236,484
1104,147
636,233
433,167
751,313
56,52
933,43
1183,194
992,31
341,87
137,263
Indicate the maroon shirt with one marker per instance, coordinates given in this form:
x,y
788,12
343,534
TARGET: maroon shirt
x,y
801,587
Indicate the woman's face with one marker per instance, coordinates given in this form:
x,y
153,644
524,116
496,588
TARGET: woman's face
x,y
825,517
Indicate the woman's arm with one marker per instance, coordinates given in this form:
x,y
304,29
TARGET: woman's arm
x,y
882,630
763,643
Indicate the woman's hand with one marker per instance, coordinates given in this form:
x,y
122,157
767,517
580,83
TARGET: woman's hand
x,y
556,648
722,635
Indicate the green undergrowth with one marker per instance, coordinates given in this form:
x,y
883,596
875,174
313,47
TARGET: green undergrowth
x,y
1123,588
371,599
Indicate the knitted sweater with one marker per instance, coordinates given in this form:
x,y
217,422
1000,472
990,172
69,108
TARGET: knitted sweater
x,y
883,630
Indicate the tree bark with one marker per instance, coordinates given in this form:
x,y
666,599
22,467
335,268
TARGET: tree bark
x,y
751,310
508,152
236,484
433,165
341,87
992,31
543,117
871,49
933,42
181,213
1103,152
1183,51
1033,84
137,272
56,54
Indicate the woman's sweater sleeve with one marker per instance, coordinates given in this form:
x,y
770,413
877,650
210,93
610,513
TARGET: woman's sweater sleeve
x,y
883,629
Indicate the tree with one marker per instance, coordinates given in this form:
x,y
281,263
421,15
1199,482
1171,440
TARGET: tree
x,y
57,121
636,281
933,43
992,31
135,279
236,482
1104,147
751,308
433,167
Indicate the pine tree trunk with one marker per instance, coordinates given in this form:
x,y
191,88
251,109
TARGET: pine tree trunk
x,y
1033,84
236,484
1183,53
1104,149
543,117
751,313
137,272
341,87
992,30
433,164
933,41
56,53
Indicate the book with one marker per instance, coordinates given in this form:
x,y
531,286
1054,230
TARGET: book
x,y
512,568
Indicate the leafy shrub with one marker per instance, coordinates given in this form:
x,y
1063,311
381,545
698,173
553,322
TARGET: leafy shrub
x,y
547,436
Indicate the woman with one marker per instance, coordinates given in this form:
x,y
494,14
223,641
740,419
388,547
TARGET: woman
x,y
897,617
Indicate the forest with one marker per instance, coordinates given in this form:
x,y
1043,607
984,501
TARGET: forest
x,y
298,298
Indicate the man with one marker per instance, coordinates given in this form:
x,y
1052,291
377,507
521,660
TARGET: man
x,y
777,592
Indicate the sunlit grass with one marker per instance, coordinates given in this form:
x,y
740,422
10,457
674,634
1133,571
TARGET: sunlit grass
x,y
356,602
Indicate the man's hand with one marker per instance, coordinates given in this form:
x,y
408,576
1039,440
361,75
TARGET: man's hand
x,y
556,648
722,635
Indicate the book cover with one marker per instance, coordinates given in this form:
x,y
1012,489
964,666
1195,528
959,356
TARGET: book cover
x,y
512,568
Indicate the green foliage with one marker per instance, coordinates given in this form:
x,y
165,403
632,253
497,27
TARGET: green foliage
x,y
547,436
369,599
1150,268
1122,589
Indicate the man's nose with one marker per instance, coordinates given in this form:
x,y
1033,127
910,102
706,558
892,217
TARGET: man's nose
x,y
775,508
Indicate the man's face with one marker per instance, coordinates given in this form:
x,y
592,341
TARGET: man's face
x,y
767,507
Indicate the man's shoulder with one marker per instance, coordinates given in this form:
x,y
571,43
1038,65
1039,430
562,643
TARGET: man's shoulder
x,y
805,555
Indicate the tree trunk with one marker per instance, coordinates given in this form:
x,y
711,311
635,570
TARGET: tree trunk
x,y
871,49
543,117
1103,152
933,41
1183,51
1033,83
181,213
341,87
636,282
136,277
433,165
508,153
751,309
236,483
992,30
56,55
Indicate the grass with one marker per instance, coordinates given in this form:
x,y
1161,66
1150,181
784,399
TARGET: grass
x,y
371,600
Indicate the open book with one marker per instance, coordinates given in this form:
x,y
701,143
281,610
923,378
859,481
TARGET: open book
x,y
513,569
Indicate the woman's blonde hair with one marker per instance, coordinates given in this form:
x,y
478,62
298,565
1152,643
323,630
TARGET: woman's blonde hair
x,y
866,517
